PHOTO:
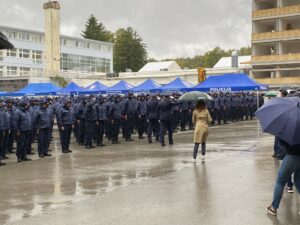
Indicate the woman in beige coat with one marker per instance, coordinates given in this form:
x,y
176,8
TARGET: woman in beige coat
x,y
201,120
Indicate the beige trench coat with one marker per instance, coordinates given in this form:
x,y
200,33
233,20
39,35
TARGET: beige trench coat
x,y
201,119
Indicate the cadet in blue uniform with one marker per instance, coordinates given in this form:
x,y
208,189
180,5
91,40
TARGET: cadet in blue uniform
x,y
91,122
129,112
11,136
65,120
4,120
141,112
184,114
42,124
22,125
79,110
102,118
165,117
176,115
115,115
152,118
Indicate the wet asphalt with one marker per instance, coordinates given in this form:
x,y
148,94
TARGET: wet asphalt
x,y
141,183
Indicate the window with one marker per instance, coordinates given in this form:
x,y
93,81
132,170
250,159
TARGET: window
x,y
1,55
77,44
37,72
24,53
65,42
1,71
37,57
12,71
11,52
13,35
24,71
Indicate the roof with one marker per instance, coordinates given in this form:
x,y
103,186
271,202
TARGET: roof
x,y
160,66
177,85
225,62
37,89
228,83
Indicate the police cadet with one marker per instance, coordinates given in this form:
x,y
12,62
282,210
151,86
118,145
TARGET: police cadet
x,y
115,115
176,115
152,118
227,105
32,110
216,109
165,119
22,125
79,110
11,136
91,122
4,126
102,118
129,112
65,120
184,114
141,112
42,123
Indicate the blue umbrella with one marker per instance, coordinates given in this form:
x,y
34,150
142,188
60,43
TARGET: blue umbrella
x,y
281,117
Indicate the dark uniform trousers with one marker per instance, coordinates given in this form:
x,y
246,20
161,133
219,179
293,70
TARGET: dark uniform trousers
x,y
90,128
141,125
11,139
184,118
65,136
128,127
175,119
100,131
115,129
43,141
23,142
81,131
153,128
166,125
2,144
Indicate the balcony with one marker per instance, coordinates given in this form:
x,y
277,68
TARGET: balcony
x,y
274,36
279,81
275,59
276,12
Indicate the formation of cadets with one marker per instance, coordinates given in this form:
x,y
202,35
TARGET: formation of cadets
x,y
92,119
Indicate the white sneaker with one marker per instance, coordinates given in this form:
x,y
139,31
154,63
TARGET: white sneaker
x,y
194,160
203,158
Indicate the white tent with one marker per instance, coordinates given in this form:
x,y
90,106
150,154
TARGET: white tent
x,y
225,62
161,66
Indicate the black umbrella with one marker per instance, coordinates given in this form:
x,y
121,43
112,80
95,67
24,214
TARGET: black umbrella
x,y
4,43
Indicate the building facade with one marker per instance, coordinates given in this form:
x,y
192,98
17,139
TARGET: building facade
x,y
276,41
78,55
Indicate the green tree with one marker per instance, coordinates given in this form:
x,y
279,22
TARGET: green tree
x,y
245,51
96,31
129,51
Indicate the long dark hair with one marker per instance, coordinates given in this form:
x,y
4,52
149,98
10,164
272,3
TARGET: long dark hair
x,y
200,105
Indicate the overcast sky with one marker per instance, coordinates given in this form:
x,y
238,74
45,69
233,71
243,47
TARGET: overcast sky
x,y
169,28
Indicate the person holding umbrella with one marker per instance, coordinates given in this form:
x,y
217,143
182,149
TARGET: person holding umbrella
x,y
201,119
281,117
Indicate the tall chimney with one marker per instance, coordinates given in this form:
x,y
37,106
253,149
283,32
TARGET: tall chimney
x,y
52,38
234,59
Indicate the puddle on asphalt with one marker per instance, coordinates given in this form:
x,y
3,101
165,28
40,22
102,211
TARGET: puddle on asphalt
x,y
66,179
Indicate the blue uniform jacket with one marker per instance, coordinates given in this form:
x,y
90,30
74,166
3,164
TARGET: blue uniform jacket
x,y
21,120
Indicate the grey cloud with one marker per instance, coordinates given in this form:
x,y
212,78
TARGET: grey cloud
x,y
170,28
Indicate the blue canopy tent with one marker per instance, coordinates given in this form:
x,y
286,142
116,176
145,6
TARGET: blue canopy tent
x,y
95,88
177,85
229,82
148,86
3,93
121,87
71,88
36,89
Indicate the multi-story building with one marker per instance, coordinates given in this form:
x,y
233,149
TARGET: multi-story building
x,y
276,41
77,55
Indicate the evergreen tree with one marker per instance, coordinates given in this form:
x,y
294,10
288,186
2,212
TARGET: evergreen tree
x,y
129,51
96,31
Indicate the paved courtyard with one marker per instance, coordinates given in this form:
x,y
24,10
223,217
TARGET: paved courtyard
x,y
139,183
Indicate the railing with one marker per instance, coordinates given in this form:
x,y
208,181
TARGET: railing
x,y
276,12
275,35
279,81
275,58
